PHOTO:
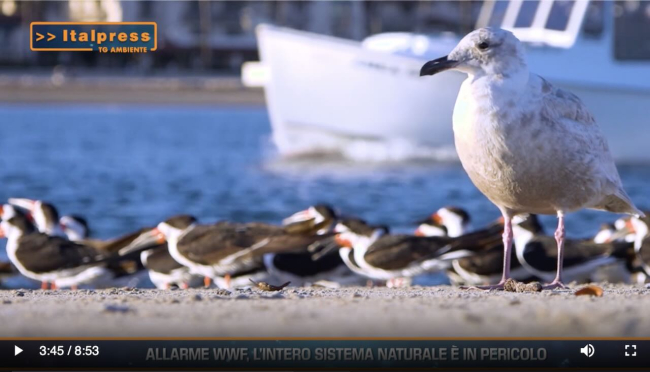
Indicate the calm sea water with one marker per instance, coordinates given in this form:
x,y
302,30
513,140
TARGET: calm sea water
x,y
125,167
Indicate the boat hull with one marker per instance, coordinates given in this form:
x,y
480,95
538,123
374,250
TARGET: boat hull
x,y
326,94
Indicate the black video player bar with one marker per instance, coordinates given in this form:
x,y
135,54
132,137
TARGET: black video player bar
x,y
319,354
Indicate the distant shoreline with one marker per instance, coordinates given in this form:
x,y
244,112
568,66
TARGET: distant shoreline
x,y
127,90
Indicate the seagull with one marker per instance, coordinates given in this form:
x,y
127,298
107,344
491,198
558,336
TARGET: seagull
x,y
528,146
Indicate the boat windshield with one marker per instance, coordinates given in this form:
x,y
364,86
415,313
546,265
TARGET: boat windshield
x,y
551,22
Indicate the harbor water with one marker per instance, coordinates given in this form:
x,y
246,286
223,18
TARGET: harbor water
x,y
128,166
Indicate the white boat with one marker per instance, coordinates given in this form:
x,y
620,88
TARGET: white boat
x,y
367,102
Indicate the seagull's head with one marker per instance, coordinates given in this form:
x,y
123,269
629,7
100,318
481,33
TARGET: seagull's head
x,y
486,51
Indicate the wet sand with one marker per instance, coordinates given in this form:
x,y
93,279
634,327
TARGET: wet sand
x,y
318,312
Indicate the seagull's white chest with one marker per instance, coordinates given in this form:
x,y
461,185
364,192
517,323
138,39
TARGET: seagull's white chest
x,y
512,156
479,137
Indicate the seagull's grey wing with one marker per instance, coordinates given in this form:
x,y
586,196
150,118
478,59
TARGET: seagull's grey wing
x,y
571,118
560,104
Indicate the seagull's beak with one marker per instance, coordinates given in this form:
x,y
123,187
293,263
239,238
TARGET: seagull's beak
x,y
437,65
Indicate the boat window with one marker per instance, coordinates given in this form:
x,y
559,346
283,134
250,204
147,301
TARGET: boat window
x,y
552,22
594,22
526,14
558,19
631,30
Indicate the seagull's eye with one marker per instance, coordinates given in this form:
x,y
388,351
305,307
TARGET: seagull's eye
x,y
483,45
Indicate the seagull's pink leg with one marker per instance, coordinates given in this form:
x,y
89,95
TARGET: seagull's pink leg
x,y
507,249
559,238
507,253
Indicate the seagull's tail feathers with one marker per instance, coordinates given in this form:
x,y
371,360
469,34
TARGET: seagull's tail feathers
x,y
620,202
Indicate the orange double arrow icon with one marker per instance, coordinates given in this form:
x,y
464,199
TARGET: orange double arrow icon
x,y
40,37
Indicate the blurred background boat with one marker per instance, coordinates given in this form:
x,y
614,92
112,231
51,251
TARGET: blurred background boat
x,y
366,101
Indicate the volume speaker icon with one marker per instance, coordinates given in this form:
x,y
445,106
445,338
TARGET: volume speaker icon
x,y
588,350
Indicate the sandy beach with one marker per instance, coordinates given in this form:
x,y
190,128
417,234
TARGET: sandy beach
x,y
319,312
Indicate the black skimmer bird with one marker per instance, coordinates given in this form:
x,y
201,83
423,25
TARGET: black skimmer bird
x,y
227,249
606,233
298,267
46,219
75,227
50,259
625,229
486,265
45,215
447,221
485,268
164,271
381,256
640,227
318,219
538,252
